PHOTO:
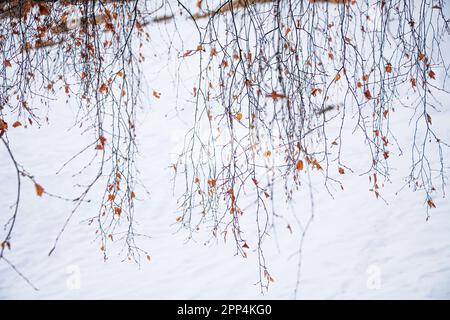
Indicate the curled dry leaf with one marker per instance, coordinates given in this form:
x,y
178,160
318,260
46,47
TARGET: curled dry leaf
x,y
299,165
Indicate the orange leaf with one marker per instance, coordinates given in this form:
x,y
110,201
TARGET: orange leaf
x,y
388,68
211,183
337,77
275,95
157,95
413,82
103,88
299,165
39,189
117,211
16,124
239,116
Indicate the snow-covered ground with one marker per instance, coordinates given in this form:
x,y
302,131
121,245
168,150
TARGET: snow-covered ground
x,y
356,247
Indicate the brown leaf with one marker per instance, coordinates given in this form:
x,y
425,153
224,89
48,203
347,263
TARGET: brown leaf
x,y
431,203
16,124
388,68
103,88
432,75
3,125
157,95
341,170
211,183
367,94
7,63
239,116
39,189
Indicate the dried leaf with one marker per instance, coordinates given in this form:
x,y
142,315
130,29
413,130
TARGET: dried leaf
x,y
157,95
39,189
299,165
7,63
211,183
17,124
337,77
388,68
432,75
431,203
239,116
103,88
341,170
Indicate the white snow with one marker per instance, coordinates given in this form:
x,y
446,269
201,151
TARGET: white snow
x,y
357,246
